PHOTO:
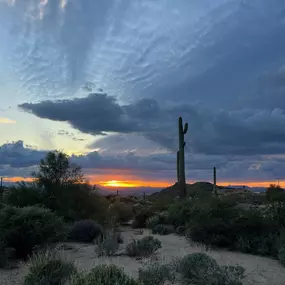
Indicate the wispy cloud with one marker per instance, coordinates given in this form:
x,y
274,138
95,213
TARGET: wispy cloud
x,y
7,121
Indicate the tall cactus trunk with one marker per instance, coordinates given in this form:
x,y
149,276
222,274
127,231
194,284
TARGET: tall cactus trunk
x,y
215,183
177,165
181,158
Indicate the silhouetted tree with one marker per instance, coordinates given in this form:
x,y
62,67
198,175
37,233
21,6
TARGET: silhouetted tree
x,y
56,170
275,193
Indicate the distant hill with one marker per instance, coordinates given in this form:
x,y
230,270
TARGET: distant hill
x,y
198,188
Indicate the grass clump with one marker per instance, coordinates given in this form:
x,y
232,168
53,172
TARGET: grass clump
x,y
85,231
109,244
104,275
159,219
163,229
140,219
48,268
281,255
156,274
25,228
180,230
122,212
201,269
143,247
6,255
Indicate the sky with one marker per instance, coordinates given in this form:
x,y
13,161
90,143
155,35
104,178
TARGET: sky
x,y
105,82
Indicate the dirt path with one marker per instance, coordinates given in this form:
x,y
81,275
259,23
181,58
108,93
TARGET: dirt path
x,y
259,270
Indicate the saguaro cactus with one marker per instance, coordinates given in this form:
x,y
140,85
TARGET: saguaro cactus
x,y
181,158
177,165
215,183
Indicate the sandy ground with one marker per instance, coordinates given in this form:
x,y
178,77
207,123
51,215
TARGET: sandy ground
x,y
259,270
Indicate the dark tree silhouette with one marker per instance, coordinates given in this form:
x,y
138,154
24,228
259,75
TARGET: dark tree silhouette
x,y
56,170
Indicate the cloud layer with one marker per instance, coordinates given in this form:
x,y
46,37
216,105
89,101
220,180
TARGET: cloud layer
x,y
207,61
242,132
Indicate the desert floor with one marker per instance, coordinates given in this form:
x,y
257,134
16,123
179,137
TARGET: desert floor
x,y
259,270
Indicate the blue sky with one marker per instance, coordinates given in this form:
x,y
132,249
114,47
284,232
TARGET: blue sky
x,y
105,81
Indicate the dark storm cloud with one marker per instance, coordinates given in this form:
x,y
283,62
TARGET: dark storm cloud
x,y
94,114
241,132
16,155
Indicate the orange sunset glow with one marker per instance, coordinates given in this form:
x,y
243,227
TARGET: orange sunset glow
x,y
18,179
134,183
106,181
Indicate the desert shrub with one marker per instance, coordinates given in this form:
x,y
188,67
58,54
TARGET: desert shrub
x,y
156,274
143,247
3,254
119,237
163,229
152,221
181,212
121,211
213,223
141,217
157,219
220,224
78,202
262,245
201,269
195,266
85,231
281,255
104,275
48,268
73,202
23,195
25,228
180,230
109,244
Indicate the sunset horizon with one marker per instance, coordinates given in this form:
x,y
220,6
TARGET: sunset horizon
x,y
113,184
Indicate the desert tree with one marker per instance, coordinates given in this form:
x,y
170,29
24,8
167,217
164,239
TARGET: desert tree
x,y
56,170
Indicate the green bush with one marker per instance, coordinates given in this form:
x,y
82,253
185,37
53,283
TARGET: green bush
x,y
181,230
48,268
181,212
220,224
73,202
152,221
25,228
163,229
213,223
143,247
196,266
156,274
262,245
201,269
158,219
85,231
122,212
104,275
24,195
78,202
141,218
281,255
3,254
109,245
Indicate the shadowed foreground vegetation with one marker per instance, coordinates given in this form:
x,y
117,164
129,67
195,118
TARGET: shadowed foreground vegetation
x,y
61,206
